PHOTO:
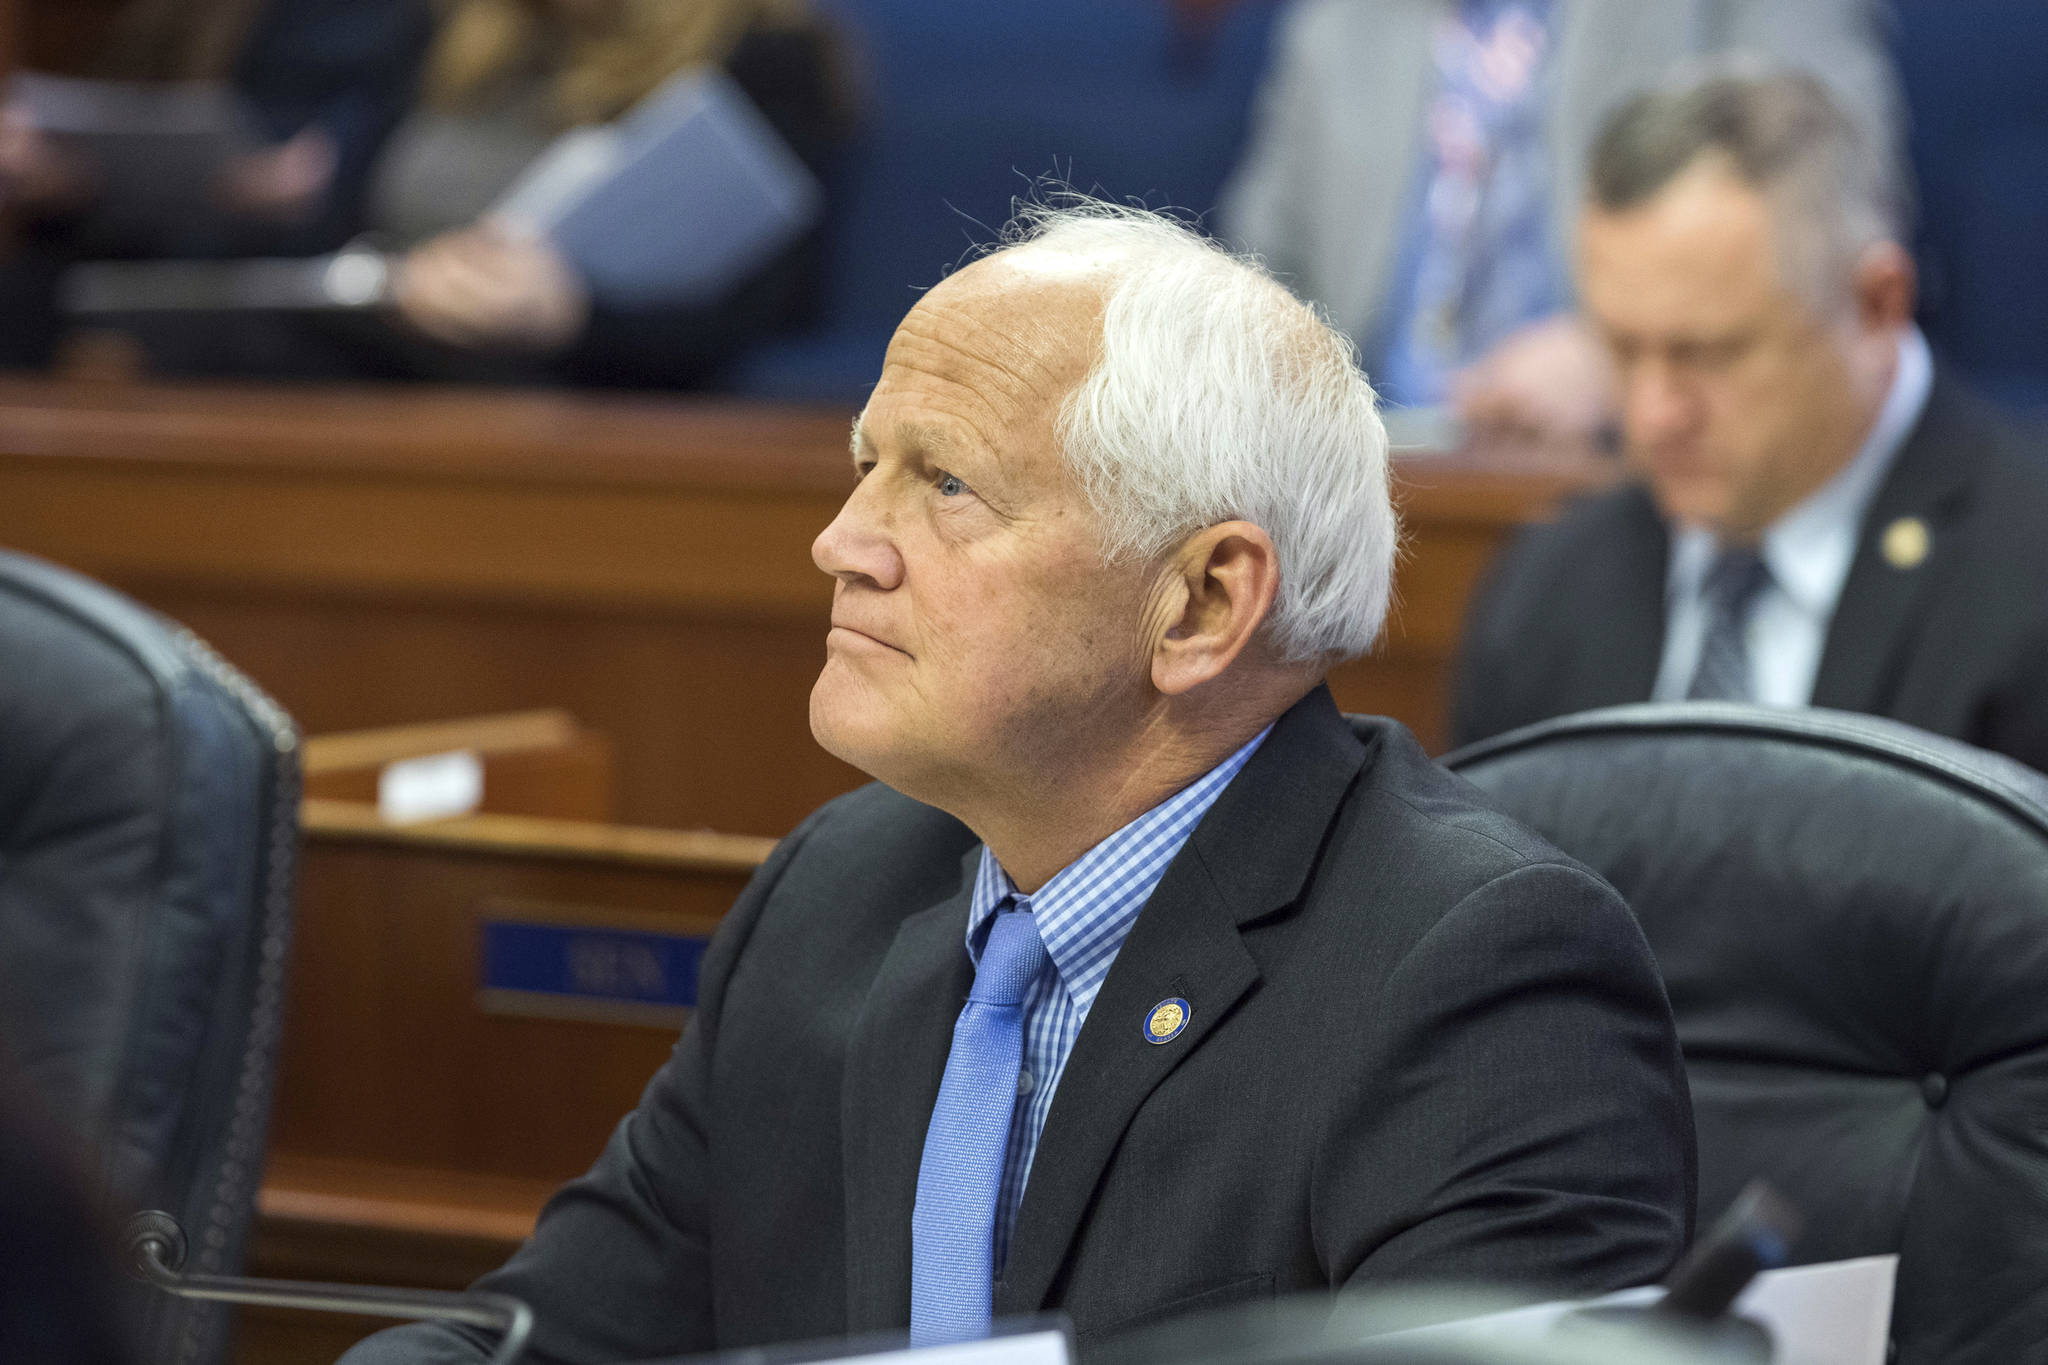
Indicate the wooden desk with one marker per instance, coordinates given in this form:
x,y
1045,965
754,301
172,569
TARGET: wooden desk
x,y
417,1129
381,556
390,1056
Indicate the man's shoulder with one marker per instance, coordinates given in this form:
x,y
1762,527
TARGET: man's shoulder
x,y
1999,466
1414,821
1589,529
878,829
847,876
2013,482
873,854
1596,541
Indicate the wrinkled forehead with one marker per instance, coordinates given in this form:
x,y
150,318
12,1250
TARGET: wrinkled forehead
x,y
993,351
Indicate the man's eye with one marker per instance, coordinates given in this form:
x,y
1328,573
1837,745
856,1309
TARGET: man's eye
x,y
950,486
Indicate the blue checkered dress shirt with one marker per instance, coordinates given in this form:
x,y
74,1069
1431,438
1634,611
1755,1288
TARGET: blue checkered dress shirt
x,y
1084,913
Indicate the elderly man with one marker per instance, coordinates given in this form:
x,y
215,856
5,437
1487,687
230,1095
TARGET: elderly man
x,y
1255,1000
1818,516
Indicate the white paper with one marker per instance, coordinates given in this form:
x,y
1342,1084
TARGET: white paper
x,y
1028,1348
559,178
675,203
1839,1313
432,787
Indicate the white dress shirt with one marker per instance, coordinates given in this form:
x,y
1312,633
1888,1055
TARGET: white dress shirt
x,y
1808,551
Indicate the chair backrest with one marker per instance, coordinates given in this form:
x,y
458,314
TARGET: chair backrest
x,y
1852,921
148,824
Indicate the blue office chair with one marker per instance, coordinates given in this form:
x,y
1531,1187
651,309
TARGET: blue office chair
x,y
148,826
1851,917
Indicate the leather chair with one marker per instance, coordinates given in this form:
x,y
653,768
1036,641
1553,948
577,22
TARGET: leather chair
x,y
1852,921
148,825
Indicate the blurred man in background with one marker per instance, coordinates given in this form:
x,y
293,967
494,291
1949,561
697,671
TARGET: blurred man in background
x,y
1416,167
1819,515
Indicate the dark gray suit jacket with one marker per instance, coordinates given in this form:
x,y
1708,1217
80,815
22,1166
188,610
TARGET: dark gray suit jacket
x,y
1423,1043
1572,615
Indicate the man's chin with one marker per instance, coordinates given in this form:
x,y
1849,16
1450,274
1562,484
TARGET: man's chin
x,y
1701,504
851,728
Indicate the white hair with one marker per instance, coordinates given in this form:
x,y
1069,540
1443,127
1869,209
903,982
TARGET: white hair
x,y
1215,395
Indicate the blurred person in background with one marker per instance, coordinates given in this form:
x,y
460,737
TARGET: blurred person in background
x,y
473,295
1415,166
1819,515
505,78
321,84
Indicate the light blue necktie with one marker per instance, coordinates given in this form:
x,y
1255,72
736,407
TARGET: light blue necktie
x,y
952,1228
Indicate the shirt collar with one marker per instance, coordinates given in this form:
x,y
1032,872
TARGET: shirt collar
x,y
1087,909
1810,548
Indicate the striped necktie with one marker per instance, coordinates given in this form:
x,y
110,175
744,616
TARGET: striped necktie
x,y
1731,588
952,1227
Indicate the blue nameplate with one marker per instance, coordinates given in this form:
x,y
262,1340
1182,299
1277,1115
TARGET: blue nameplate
x,y
579,971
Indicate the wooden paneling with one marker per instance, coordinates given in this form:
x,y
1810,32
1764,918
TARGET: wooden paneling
x,y
415,1134
387,1057
376,557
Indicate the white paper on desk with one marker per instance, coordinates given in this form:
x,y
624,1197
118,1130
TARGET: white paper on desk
x,y
1837,1313
1029,1348
430,787
675,203
1037,1340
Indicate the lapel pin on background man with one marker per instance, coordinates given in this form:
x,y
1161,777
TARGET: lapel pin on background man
x,y
1819,516
1141,982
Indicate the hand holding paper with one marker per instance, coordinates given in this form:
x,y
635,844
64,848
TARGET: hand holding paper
x,y
484,286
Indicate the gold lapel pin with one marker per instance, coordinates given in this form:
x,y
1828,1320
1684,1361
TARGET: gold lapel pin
x,y
1905,543
1166,1020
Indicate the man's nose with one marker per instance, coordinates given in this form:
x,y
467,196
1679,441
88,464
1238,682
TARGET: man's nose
x,y
1658,404
858,544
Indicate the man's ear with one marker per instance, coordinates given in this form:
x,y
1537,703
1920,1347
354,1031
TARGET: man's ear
x,y
1219,590
1886,287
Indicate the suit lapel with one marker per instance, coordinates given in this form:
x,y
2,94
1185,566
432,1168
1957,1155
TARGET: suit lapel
x,y
1619,643
894,1062
1883,598
1248,858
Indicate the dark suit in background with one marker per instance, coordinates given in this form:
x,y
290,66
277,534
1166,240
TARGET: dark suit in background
x,y
1423,1044
1572,615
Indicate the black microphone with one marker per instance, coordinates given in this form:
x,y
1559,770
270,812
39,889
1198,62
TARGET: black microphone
x,y
156,1250
1755,1234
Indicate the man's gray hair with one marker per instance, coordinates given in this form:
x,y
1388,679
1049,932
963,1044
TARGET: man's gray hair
x,y
1834,188
1215,395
